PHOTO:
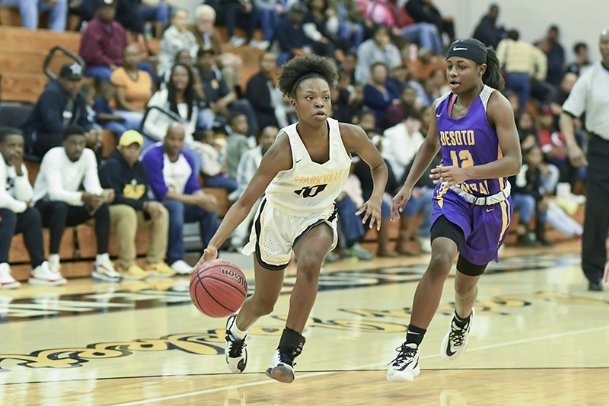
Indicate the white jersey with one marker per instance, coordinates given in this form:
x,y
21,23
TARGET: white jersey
x,y
310,187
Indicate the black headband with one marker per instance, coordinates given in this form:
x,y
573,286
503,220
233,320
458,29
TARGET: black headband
x,y
303,78
466,48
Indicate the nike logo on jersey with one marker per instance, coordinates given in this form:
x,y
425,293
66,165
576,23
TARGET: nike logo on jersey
x,y
438,115
489,210
459,49
298,160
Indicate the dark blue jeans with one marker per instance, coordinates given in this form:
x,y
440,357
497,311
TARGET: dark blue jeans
x,y
180,213
30,224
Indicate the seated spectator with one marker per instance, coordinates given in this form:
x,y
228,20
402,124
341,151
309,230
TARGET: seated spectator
x,y
16,215
219,95
349,22
103,42
59,105
424,11
264,95
175,38
30,10
242,11
133,88
133,14
173,181
268,15
292,40
377,49
209,38
379,94
127,176
213,160
346,104
57,195
527,185
179,98
397,112
102,114
248,165
315,26
237,143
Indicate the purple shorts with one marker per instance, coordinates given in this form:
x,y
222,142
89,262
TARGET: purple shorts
x,y
484,227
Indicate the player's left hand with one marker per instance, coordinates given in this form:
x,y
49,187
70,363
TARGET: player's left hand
x,y
452,175
372,211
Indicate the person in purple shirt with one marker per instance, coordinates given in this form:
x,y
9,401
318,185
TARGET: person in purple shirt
x,y
174,183
476,134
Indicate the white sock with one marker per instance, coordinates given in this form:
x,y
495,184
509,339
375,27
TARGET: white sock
x,y
236,332
102,257
54,259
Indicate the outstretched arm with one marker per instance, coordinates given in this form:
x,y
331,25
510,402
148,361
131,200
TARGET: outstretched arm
x,y
278,158
426,153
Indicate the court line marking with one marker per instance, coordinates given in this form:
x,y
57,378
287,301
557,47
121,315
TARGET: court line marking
x,y
376,364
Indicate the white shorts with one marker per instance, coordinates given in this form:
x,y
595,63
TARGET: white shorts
x,y
274,233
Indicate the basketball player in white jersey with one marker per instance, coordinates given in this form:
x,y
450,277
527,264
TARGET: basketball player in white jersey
x,y
300,176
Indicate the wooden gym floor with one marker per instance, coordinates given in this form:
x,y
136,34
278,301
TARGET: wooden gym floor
x,y
540,338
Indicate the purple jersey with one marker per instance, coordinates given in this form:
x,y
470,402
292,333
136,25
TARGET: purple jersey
x,y
469,141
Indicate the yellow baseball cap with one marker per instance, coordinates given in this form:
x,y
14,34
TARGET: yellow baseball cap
x,y
131,137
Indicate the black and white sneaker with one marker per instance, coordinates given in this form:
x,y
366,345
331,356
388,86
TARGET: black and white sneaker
x,y
282,368
290,347
456,340
235,352
404,367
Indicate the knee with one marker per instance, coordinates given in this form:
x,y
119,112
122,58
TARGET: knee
x,y
123,214
263,307
464,290
32,217
440,264
309,266
8,219
59,209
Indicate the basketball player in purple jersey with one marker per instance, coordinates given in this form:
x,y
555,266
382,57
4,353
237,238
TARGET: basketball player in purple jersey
x,y
300,176
476,133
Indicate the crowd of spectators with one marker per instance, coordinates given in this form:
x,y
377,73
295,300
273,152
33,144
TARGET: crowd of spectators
x,y
181,118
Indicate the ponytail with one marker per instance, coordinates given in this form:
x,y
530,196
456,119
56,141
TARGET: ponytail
x,y
492,76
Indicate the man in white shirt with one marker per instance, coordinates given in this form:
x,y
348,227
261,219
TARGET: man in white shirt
x,y
16,215
61,203
590,95
173,181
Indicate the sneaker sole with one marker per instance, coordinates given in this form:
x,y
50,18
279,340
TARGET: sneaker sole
x,y
42,282
104,278
402,377
14,285
281,374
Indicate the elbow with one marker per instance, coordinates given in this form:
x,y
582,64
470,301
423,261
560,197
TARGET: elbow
x,y
515,170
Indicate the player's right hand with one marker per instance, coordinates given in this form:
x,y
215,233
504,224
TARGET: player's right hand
x,y
399,201
209,254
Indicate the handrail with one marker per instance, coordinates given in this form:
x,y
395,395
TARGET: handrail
x,y
47,61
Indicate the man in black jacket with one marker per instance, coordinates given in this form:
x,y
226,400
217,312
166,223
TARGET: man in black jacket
x,y
264,96
59,105
126,175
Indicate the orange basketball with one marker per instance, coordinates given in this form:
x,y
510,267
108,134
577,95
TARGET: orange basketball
x,y
218,288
